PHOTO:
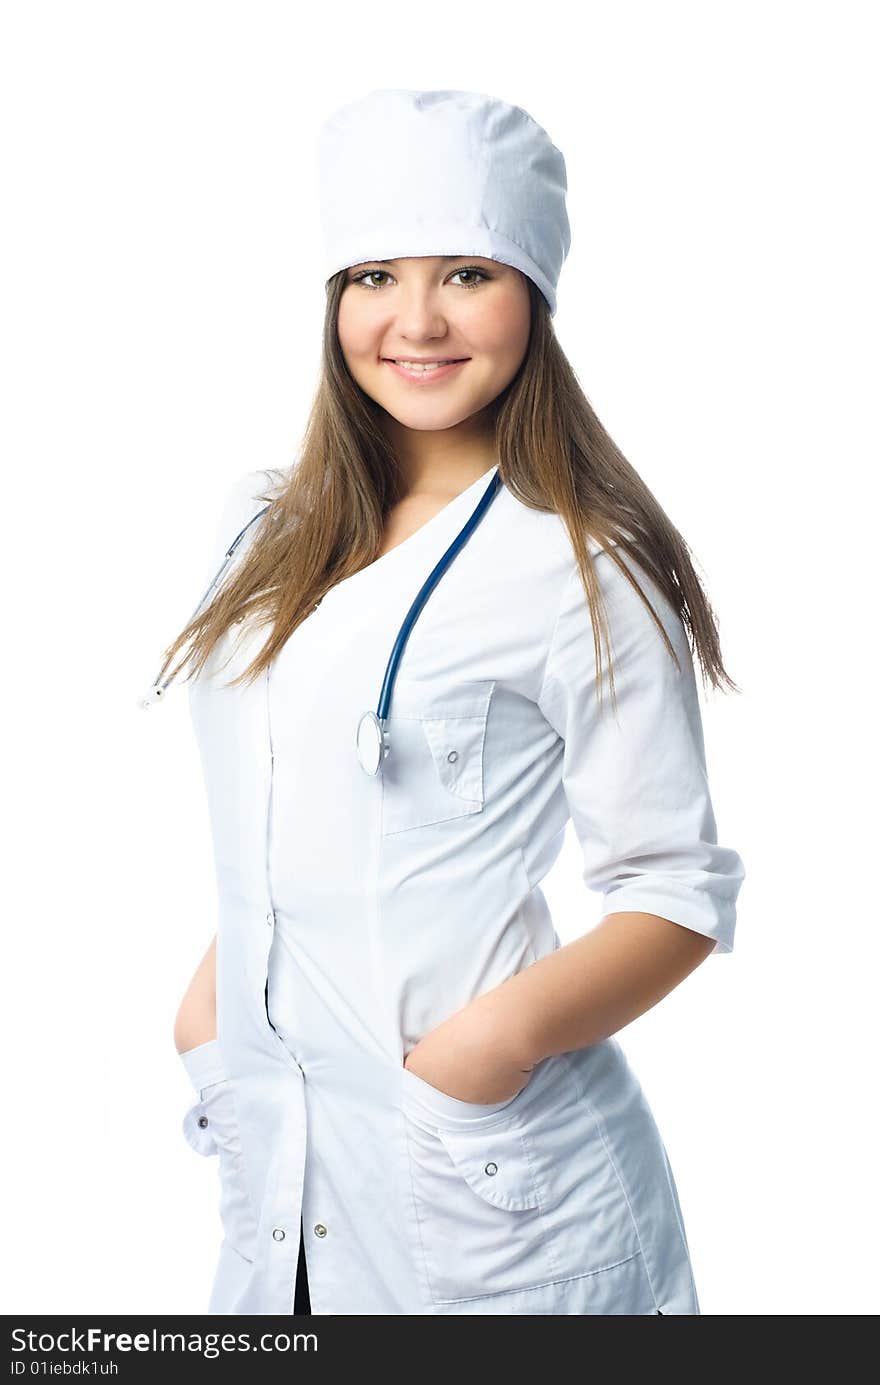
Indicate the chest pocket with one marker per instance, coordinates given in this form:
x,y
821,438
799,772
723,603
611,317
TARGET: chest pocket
x,y
435,770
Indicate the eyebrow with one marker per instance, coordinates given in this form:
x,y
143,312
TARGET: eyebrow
x,y
446,258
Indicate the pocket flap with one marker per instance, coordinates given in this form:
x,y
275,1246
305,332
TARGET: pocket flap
x,y
457,747
495,1163
435,773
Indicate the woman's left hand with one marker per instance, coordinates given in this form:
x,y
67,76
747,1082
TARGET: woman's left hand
x,y
471,1058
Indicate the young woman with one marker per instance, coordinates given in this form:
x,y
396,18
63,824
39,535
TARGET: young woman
x,y
414,1089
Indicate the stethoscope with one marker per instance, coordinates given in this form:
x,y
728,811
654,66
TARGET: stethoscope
x,y
372,738
373,742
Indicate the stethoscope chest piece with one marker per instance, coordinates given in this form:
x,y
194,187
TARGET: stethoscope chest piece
x,y
372,743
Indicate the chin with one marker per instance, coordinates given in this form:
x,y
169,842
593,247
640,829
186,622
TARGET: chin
x,y
425,421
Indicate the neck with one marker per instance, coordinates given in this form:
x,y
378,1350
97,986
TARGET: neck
x,y
441,463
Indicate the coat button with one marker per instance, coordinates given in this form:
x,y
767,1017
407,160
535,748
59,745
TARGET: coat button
x,y
452,756
278,1233
203,1121
270,918
320,1229
491,1168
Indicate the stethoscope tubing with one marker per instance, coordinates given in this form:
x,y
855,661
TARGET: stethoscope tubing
x,y
425,591
156,691
372,738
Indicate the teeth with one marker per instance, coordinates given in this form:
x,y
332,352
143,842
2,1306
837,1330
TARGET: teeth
x,y
420,365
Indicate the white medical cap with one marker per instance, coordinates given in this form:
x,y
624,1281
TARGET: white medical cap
x,y
442,173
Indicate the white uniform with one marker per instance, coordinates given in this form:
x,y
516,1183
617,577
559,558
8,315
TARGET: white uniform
x,y
357,913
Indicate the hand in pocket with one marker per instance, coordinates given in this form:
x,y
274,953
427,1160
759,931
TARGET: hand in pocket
x,y
463,1058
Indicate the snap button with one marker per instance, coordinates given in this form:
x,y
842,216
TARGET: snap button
x,y
203,1121
320,1229
452,756
278,1233
491,1168
270,917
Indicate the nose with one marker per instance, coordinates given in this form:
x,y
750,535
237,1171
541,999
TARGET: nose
x,y
418,315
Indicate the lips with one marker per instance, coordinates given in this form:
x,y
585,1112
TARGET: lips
x,y
424,373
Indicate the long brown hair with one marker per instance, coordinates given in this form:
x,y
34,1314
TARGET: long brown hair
x,y
325,516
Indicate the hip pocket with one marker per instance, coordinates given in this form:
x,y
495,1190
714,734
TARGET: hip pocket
x,y
211,1127
518,1197
479,1213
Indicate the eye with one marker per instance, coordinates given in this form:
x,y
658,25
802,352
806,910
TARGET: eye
x,y
472,269
366,275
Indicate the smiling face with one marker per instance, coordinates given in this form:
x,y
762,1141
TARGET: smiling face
x,y
466,309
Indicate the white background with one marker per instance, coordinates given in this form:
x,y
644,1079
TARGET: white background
x,y
161,321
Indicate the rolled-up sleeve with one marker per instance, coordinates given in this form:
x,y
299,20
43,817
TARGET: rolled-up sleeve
x,y
635,777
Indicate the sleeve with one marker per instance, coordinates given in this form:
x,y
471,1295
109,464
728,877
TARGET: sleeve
x,y
636,782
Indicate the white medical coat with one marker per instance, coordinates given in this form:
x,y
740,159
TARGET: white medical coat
x,y
357,913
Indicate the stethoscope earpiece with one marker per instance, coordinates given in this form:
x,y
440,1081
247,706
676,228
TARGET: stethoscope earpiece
x,y
155,694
